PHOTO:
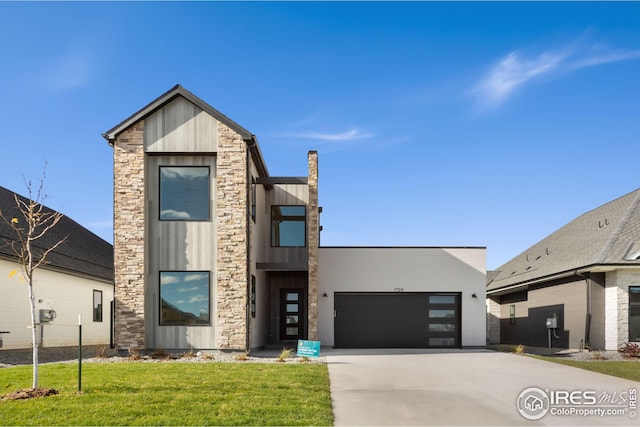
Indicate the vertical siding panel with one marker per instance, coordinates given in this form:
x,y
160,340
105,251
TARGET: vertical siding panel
x,y
181,127
179,246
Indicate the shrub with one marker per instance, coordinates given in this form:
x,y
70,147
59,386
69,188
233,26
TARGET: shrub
x,y
630,349
101,352
241,357
284,354
161,354
134,355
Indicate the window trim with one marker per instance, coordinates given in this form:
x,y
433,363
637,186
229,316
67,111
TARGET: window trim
x,y
208,219
160,322
305,226
100,307
635,305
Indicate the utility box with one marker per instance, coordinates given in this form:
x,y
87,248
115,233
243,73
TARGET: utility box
x,y
47,315
552,323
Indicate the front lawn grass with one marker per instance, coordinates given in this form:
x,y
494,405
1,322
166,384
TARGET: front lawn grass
x,y
186,394
618,368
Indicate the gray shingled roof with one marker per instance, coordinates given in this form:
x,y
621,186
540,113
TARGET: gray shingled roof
x,y
83,252
606,236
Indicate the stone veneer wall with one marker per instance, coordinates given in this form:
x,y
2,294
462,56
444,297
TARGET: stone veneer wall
x,y
128,244
617,306
231,223
313,241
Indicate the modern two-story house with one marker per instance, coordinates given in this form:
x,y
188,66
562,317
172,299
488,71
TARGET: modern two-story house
x,y
212,252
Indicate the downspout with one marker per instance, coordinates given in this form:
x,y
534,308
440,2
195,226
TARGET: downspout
x,y
587,324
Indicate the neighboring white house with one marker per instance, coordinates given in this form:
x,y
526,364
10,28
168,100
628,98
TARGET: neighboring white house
x,y
77,281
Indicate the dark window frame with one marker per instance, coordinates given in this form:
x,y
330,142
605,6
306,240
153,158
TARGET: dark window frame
x,y
97,311
253,296
160,299
253,199
208,168
635,306
277,244
512,314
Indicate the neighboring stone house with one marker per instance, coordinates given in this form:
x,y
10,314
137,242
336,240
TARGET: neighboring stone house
x,y
583,281
211,252
77,280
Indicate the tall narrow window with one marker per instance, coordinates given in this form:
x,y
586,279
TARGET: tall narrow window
x,y
184,193
512,314
288,226
253,296
253,199
97,306
184,298
634,313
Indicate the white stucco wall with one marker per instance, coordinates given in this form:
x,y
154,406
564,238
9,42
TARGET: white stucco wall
x,y
69,295
353,269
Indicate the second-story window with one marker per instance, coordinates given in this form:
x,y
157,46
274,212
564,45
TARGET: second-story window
x,y
288,226
184,193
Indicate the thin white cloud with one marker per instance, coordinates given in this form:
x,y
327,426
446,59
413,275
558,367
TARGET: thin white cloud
x,y
198,298
167,279
330,141
193,277
516,70
348,135
605,59
512,72
173,214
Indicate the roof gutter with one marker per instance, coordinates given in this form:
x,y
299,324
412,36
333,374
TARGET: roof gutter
x,y
594,268
500,291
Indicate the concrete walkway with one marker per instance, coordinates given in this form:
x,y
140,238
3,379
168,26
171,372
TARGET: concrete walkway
x,y
459,387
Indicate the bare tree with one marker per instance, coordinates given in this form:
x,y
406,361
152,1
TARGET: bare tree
x,y
31,221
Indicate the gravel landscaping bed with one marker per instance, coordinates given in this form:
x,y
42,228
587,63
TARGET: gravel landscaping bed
x,y
97,354
567,354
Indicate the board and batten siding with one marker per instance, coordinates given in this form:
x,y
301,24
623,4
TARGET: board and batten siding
x,y
178,246
572,298
409,269
284,194
180,126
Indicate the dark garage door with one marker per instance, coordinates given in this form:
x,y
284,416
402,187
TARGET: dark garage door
x,y
401,320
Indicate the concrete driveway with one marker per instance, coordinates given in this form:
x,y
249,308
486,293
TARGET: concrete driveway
x,y
468,387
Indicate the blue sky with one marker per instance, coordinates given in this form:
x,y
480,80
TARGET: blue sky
x,y
437,124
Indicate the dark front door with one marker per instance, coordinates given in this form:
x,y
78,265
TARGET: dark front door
x,y
292,314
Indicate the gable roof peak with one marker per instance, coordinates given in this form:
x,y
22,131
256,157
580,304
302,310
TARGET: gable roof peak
x,y
165,98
